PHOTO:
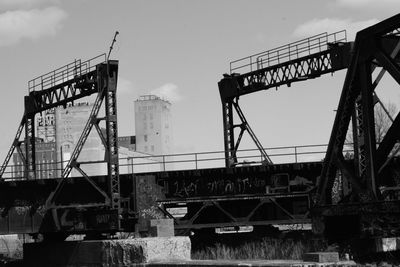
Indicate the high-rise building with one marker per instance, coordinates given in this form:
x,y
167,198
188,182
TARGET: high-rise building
x,y
153,125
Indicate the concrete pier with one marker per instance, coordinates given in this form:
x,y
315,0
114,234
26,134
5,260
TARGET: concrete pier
x,y
321,257
121,252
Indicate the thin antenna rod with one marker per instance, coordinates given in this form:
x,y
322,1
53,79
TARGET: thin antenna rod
x,y
112,44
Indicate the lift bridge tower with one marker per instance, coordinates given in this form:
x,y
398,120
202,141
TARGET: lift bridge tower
x,y
299,61
94,205
371,206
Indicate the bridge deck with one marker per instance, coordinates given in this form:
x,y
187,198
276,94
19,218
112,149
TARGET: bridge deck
x,y
23,203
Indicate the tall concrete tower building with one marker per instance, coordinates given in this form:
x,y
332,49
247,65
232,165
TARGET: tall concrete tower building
x,y
153,125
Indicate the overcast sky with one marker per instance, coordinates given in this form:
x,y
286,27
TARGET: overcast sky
x,y
180,49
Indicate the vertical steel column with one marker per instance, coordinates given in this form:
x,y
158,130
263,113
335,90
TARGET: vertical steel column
x,y
229,135
30,151
358,130
368,173
110,94
354,121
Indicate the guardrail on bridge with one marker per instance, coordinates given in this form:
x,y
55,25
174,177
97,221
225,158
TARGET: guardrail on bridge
x,y
182,161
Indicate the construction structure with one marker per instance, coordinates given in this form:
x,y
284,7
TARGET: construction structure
x,y
59,88
238,194
298,61
372,205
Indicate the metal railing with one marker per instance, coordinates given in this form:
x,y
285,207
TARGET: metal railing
x,y
299,49
183,161
65,73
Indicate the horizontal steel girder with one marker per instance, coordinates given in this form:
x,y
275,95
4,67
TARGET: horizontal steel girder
x,y
301,69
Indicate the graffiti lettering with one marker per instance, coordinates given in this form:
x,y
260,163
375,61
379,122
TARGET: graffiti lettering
x,y
102,218
216,186
183,190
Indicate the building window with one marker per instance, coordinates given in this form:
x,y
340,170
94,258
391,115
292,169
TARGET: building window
x,y
151,125
151,116
145,137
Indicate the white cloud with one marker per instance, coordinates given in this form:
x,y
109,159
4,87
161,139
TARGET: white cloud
x,y
168,91
331,25
29,24
368,4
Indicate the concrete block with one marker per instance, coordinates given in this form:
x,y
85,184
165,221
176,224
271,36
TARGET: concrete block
x,y
387,244
122,252
11,246
321,257
162,228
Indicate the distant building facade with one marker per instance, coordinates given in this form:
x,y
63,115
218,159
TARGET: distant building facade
x,y
153,125
46,125
58,131
45,147
70,123
46,161
128,142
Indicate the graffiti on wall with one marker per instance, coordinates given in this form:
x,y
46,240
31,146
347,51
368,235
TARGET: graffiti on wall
x,y
147,194
193,187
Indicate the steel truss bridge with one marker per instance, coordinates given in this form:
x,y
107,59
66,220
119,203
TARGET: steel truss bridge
x,y
362,188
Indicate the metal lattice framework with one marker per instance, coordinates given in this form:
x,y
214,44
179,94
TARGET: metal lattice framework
x,y
106,84
265,210
295,62
376,46
58,88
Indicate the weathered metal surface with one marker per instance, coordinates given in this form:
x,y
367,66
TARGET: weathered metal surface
x,y
356,99
369,206
254,189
